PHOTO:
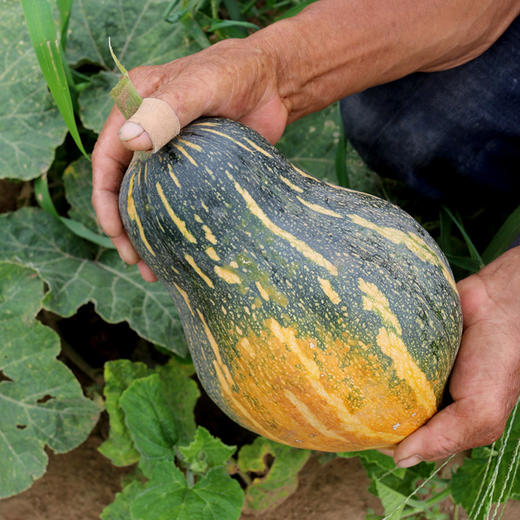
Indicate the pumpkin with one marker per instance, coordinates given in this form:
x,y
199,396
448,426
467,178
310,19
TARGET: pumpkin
x,y
316,316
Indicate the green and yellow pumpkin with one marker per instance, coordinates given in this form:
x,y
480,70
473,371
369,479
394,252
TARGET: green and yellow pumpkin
x,y
317,316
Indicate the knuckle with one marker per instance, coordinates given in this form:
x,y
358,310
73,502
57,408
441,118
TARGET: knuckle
x,y
446,444
147,78
492,425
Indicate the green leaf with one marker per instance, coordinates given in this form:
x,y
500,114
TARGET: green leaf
x,y
159,413
40,23
504,237
490,476
149,419
167,496
30,125
279,481
392,501
474,254
43,196
376,461
119,375
77,179
77,272
95,101
41,403
205,452
310,143
119,509
139,36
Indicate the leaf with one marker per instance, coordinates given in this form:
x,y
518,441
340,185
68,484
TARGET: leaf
x,y
139,35
119,447
490,476
167,496
504,237
310,143
48,49
279,481
77,179
119,509
77,273
376,461
95,101
392,501
31,127
41,403
205,452
159,413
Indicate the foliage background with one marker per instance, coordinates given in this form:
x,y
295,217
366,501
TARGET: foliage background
x,y
56,74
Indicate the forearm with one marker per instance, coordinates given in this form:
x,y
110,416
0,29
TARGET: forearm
x,y
334,48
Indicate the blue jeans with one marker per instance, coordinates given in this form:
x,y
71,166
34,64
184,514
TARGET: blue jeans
x,y
452,135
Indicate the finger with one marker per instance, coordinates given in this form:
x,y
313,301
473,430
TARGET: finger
x,y
462,425
146,272
109,161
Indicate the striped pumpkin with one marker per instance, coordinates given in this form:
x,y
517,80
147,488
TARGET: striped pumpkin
x,y
317,316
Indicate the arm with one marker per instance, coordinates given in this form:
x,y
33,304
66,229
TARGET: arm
x,y
294,67
485,382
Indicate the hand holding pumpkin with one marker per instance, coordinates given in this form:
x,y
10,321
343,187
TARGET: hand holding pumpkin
x,y
485,382
278,75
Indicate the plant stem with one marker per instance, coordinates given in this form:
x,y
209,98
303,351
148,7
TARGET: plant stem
x,y
124,94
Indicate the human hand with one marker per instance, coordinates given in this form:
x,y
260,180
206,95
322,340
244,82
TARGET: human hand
x,y
234,78
485,382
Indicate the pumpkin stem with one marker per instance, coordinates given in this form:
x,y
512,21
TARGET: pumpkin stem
x,y
124,94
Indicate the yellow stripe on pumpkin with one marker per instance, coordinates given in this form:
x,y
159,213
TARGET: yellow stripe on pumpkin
x,y
132,213
391,344
329,291
319,209
185,153
298,244
198,270
181,225
411,241
222,134
226,382
173,176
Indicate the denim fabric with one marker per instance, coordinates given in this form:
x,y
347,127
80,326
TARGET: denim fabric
x,y
451,135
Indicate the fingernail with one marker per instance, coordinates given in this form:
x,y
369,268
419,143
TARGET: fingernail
x,y
409,461
130,131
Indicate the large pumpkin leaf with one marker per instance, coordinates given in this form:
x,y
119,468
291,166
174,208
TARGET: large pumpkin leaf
x,y
139,35
216,496
77,178
278,481
78,273
205,452
119,375
159,412
31,127
41,403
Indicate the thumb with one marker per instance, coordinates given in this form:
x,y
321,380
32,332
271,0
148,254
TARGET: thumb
x,y
462,425
151,127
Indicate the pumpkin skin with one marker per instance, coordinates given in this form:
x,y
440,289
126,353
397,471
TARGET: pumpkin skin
x,y
317,316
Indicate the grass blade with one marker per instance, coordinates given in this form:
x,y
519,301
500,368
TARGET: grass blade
x,y
64,8
504,237
474,254
43,197
464,262
40,24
